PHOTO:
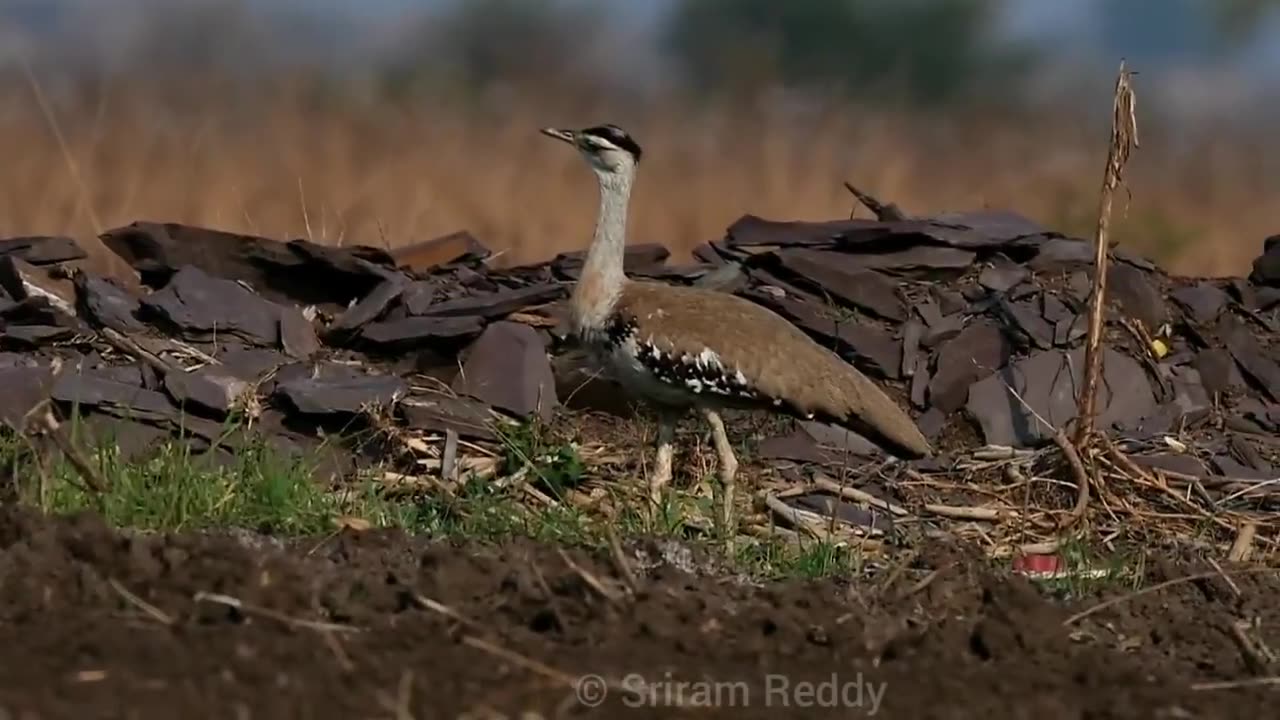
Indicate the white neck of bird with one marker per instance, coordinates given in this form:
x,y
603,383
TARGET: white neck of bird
x,y
602,276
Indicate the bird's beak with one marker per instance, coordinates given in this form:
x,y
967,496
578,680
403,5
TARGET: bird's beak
x,y
565,135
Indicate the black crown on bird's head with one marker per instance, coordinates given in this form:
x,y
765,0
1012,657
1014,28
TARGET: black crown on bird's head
x,y
616,136
599,137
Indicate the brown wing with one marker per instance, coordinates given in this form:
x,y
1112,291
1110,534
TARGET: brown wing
x,y
782,364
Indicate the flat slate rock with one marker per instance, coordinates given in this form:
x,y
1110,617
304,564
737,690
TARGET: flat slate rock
x,y
22,280
950,302
1250,415
34,336
925,260
754,231
211,389
1230,467
751,230
912,332
106,304
1133,290
42,249
439,413
1027,318
1266,267
1000,227
1068,331
507,367
132,441
1046,386
1054,310
920,383
804,261
1255,362
1057,253
796,446
418,295
488,305
1002,277
976,352
39,311
820,444
457,247
839,441
942,330
252,364
298,336
1243,450
201,306
135,374
341,395
1203,302
96,388
873,349
370,307
25,387
637,258
728,278
1265,298
294,272
1189,392
1173,462
841,275
416,332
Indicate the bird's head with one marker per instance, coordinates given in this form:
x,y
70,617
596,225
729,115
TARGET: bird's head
x,y
609,149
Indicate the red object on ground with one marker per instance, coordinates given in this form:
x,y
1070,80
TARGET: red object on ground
x,y
1037,564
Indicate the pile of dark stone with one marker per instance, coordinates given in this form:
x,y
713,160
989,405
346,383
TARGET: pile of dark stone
x,y
975,321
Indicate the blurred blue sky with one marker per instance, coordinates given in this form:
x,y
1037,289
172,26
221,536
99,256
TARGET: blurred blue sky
x,y
1157,31
1170,41
1165,31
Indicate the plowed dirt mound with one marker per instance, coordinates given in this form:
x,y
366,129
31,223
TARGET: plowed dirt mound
x,y
97,624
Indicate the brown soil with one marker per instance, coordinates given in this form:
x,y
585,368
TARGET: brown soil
x,y
96,624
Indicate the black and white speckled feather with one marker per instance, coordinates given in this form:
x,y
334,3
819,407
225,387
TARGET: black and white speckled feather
x,y
649,365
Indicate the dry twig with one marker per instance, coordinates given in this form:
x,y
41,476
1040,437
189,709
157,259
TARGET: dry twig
x,y
276,615
400,705
1124,138
1243,545
1156,588
831,486
620,559
1081,476
150,610
591,580
44,422
1237,684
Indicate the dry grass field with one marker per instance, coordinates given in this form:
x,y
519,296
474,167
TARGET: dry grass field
x,y
383,174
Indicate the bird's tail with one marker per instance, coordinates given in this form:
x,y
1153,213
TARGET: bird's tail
x,y
871,413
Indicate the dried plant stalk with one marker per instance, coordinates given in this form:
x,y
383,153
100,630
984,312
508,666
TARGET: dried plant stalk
x,y
1124,138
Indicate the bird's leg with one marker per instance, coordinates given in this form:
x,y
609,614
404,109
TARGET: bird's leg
x,y
728,467
662,466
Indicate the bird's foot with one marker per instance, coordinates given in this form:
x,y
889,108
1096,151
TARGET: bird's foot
x,y
661,475
658,482
728,471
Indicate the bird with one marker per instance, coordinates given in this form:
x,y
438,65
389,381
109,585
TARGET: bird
x,y
684,349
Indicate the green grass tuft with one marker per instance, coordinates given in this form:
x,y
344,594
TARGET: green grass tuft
x,y
264,490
